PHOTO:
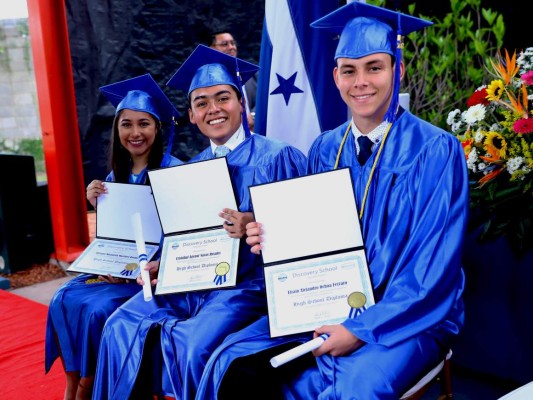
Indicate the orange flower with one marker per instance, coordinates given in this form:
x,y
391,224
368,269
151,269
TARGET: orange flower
x,y
506,69
467,146
490,176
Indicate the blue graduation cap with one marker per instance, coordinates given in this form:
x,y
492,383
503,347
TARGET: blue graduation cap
x,y
207,67
142,93
366,29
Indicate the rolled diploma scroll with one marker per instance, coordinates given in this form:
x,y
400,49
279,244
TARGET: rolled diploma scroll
x,y
141,251
298,351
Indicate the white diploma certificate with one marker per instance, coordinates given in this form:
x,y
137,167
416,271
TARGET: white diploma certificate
x,y
198,261
114,251
316,271
305,294
197,253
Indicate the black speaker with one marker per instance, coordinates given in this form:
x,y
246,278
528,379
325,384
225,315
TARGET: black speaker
x,y
25,223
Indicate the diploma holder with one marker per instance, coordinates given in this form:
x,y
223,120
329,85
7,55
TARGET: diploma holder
x,y
197,252
141,252
114,251
314,258
298,351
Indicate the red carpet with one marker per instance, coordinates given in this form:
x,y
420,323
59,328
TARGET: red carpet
x,y
22,333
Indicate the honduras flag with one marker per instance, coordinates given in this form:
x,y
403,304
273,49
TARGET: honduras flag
x,y
296,96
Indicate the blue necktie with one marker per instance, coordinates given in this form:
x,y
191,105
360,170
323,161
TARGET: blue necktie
x,y
365,149
221,151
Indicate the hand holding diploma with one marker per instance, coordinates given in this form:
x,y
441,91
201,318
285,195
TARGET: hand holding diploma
x,y
141,251
298,351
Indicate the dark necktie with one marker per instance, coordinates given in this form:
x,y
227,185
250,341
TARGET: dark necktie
x,y
365,149
221,151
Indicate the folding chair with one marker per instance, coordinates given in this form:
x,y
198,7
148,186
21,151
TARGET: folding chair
x,y
443,370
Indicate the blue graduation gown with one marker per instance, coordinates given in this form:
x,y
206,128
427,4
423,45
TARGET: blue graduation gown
x,y
413,226
191,325
78,311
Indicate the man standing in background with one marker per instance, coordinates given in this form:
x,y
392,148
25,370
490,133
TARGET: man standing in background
x,y
223,41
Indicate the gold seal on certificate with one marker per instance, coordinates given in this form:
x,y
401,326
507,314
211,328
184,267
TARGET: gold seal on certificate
x,y
221,270
357,301
128,269
131,266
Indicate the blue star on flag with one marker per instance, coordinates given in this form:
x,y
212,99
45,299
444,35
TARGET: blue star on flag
x,y
286,87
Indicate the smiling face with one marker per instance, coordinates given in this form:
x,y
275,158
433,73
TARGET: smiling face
x,y
217,111
366,86
137,131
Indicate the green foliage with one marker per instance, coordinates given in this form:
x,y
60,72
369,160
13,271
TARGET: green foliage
x,y
446,61
33,147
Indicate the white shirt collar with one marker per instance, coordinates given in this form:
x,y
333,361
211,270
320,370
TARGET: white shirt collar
x,y
236,139
375,135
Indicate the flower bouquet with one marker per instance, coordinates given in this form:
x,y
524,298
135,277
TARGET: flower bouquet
x,y
496,131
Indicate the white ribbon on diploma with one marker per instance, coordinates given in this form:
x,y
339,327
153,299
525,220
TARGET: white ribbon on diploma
x,y
143,258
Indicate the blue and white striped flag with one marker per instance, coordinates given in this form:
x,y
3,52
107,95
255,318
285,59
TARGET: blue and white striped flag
x,y
296,96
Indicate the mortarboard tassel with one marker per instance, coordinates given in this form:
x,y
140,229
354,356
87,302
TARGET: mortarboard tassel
x,y
170,143
243,100
393,108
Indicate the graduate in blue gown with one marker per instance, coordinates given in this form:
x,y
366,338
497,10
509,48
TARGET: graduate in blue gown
x,y
162,346
80,307
412,191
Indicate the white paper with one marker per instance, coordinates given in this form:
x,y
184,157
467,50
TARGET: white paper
x,y
190,196
313,251
197,252
313,214
116,258
114,251
306,294
198,261
115,208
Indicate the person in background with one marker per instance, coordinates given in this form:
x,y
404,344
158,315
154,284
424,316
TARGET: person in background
x,y
80,307
222,40
179,331
411,189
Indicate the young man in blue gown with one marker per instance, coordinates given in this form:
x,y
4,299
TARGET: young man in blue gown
x,y
173,335
412,191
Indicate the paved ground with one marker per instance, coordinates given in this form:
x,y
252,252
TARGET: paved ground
x,y
41,292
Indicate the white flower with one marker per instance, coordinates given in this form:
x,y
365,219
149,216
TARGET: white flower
x,y
471,160
453,116
454,120
456,127
481,166
474,114
479,136
525,60
496,127
513,164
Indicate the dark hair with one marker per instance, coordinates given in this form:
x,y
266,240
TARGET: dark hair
x,y
217,32
120,159
237,92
